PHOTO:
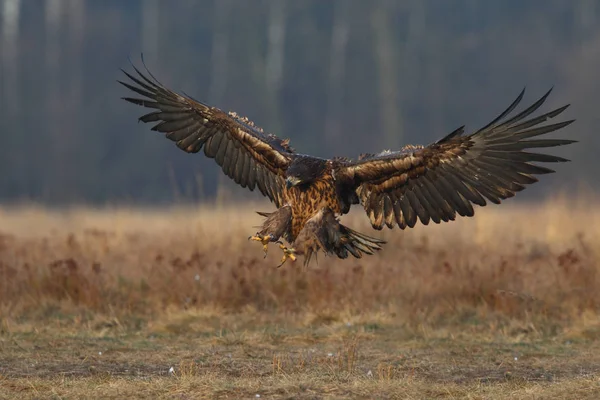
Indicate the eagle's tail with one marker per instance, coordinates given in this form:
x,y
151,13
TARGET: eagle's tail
x,y
324,232
355,243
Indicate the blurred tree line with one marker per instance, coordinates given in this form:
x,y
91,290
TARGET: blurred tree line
x,y
338,77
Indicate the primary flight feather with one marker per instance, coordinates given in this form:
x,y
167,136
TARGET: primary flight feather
x,y
417,183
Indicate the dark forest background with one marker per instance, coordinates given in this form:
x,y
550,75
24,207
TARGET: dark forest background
x,y
338,77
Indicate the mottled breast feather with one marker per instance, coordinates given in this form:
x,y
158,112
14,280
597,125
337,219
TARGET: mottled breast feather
x,y
307,200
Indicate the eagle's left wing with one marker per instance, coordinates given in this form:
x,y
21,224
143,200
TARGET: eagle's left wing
x,y
446,177
249,156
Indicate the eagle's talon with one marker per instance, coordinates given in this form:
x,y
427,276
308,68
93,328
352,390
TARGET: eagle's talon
x,y
288,253
264,240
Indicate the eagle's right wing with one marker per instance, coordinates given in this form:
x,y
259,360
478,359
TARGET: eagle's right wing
x,y
437,181
246,154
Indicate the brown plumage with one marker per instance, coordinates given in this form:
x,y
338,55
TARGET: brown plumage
x,y
416,183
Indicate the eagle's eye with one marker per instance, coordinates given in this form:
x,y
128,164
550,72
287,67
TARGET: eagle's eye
x,y
292,181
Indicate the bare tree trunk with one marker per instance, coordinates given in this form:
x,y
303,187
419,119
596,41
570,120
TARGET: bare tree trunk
x,y
337,69
410,67
10,95
65,137
10,56
219,76
53,103
150,38
585,14
275,59
426,42
76,17
54,11
436,85
220,52
391,113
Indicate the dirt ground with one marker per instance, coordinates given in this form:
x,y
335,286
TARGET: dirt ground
x,y
142,303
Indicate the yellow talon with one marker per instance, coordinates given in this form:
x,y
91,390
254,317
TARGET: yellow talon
x,y
287,254
265,240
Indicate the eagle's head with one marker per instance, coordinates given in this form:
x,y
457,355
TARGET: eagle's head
x,y
304,170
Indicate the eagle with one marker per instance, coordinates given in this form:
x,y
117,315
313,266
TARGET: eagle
x,y
435,183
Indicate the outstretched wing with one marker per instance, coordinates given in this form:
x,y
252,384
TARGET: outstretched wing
x,y
446,177
244,152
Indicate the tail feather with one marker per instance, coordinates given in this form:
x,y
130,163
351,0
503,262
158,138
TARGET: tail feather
x,y
356,243
325,233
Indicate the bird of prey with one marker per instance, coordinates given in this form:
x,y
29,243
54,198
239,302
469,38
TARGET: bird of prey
x,y
417,183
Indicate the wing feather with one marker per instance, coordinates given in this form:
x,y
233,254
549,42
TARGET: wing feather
x,y
399,214
252,175
243,151
260,181
245,167
434,183
454,195
437,200
409,212
388,211
426,202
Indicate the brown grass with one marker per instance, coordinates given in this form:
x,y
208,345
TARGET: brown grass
x,y
102,303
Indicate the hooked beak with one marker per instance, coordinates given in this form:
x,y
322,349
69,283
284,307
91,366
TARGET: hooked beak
x,y
291,182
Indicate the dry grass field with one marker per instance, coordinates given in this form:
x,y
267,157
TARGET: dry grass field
x,y
176,303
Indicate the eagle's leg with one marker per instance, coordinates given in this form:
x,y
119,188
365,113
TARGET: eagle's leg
x,y
288,254
264,239
323,232
275,226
